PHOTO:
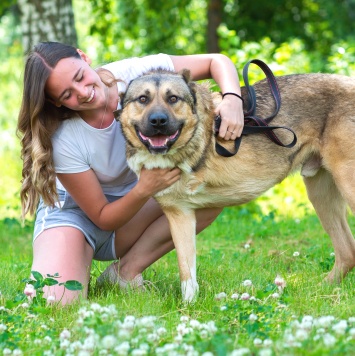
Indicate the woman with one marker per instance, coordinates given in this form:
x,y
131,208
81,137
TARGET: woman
x,y
89,204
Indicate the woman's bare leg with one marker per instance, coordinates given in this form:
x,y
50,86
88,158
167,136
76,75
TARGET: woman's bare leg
x,y
146,238
63,250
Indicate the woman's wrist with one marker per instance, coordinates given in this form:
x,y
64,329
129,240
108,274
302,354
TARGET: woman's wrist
x,y
233,94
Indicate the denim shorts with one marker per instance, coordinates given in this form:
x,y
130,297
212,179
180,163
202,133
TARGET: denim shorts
x,y
68,213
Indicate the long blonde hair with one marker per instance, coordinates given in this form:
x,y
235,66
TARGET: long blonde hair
x,y
37,121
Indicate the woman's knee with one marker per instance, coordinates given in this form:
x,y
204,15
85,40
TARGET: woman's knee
x,y
63,251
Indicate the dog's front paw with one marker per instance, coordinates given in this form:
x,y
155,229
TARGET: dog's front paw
x,y
189,290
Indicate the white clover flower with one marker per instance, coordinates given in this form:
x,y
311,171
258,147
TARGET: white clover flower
x,y
103,352
223,308
306,325
235,296
84,353
182,329
124,334
329,340
184,319
301,334
37,342
265,352
207,354
324,321
95,307
142,331
25,305
267,342
161,331
257,342
108,341
65,334
246,246
6,352
17,352
340,327
128,325
89,343
104,317
129,319
332,254
44,327
321,331
122,349
139,352
178,338
307,318
240,352
253,317
245,296
211,327
152,337
252,299
47,339
50,299
64,344
204,334
220,296
280,282
3,328
195,324
30,291
352,332
296,254
147,321
247,283
275,295
351,320
297,221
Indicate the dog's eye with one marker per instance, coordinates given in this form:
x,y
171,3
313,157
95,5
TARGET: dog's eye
x,y
173,99
143,99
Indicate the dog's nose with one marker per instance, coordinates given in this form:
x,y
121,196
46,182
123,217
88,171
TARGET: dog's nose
x,y
158,119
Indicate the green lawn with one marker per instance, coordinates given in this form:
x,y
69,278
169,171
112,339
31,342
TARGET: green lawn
x,y
278,234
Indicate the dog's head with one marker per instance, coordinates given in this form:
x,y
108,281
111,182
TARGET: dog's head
x,y
158,111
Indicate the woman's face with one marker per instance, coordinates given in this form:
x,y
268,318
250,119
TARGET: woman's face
x,y
74,84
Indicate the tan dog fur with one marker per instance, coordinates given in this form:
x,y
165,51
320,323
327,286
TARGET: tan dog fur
x,y
318,107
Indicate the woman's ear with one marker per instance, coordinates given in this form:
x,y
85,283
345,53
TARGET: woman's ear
x,y
84,56
58,105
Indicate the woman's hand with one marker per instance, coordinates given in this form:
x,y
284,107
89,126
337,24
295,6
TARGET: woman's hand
x,y
231,113
152,181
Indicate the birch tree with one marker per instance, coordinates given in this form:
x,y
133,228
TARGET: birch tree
x,y
47,20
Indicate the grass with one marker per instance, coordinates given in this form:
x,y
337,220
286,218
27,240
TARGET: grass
x,y
254,242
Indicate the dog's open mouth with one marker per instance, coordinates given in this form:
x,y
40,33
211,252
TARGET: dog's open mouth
x,y
158,143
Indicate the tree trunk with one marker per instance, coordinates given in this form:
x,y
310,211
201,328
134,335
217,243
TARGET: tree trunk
x,y
214,19
47,20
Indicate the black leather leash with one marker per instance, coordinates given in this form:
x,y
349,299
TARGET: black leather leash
x,y
252,123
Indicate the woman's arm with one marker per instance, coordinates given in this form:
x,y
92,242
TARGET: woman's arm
x,y
87,193
222,70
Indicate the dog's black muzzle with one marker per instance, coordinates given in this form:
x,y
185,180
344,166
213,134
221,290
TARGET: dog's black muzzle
x,y
159,132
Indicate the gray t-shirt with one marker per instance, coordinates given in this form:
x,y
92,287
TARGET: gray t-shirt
x,y
78,147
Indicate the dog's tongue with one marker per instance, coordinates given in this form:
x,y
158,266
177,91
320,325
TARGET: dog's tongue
x,y
158,141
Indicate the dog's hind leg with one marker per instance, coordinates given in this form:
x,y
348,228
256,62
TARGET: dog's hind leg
x,y
183,231
331,209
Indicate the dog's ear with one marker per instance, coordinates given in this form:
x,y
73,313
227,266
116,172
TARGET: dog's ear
x,y
117,114
186,74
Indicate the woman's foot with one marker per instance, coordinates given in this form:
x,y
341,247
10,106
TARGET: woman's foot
x,y
111,276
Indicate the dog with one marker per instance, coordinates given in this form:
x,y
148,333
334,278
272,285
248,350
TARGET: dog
x,y
168,121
